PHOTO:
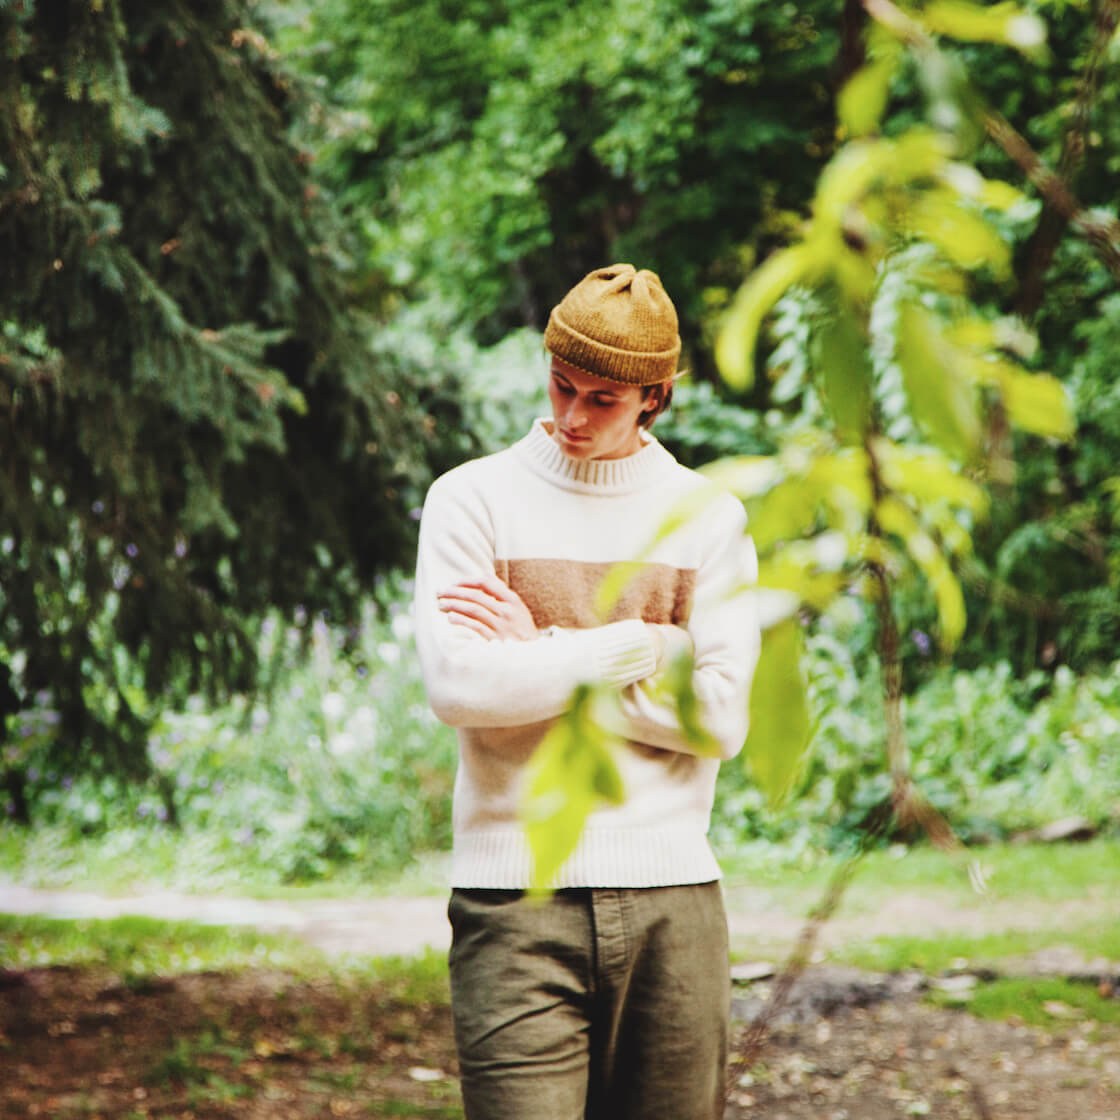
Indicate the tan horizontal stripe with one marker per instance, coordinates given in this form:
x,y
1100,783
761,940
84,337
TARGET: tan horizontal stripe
x,y
563,592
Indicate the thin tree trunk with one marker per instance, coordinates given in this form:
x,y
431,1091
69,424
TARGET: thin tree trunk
x,y
1043,242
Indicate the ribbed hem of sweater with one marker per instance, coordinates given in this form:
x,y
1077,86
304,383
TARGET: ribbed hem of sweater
x,y
499,859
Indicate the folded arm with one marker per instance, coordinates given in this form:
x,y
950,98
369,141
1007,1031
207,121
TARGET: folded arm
x,y
481,666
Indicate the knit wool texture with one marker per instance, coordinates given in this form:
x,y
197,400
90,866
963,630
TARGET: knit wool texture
x,y
617,323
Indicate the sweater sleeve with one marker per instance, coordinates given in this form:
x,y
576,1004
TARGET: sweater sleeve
x,y
725,634
475,682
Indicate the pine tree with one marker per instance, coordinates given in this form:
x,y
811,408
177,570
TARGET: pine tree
x,y
193,430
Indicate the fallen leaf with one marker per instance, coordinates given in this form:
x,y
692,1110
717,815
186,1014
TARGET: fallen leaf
x,y
422,1073
1060,1010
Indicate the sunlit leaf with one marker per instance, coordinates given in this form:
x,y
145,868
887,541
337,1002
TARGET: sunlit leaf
x,y
842,481
747,476
855,273
795,569
785,513
614,584
842,367
846,178
927,476
569,773
780,727
920,153
678,681
1038,403
941,397
969,241
762,289
1001,196
954,106
861,103
1004,23
894,517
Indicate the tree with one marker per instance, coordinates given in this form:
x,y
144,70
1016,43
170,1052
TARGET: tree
x,y
497,151
193,428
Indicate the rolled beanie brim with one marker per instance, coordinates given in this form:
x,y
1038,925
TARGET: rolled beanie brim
x,y
627,366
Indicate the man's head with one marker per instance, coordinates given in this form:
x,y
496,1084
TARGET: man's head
x,y
614,342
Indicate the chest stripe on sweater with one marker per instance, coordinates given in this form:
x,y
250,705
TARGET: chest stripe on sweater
x,y
563,592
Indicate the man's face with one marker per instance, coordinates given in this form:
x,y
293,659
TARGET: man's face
x,y
594,418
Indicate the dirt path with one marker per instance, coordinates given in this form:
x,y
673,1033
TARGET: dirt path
x,y
762,922
841,1049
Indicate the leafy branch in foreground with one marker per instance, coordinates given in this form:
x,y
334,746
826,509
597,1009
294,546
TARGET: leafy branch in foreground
x,y
910,374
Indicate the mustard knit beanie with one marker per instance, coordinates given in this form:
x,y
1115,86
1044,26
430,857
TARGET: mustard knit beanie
x,y
617,323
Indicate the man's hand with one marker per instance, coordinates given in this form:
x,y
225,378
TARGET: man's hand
x,y
490,608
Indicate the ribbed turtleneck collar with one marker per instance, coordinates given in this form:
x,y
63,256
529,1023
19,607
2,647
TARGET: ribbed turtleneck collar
x,y
543,455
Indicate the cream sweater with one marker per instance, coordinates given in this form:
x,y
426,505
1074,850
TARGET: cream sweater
x,y
550,527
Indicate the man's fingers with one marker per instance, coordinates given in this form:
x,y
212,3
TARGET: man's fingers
x,y
492,586
467,595
460,619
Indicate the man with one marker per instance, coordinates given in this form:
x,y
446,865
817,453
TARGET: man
x,y
612,998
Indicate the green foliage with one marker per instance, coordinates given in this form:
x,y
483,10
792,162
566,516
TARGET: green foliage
x,y
780,731
339,763
194,428
996,756
496,154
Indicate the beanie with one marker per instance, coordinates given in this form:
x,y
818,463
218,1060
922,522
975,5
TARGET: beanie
x,y
617,323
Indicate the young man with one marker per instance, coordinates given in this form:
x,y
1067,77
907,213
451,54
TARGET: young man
x,y
612,998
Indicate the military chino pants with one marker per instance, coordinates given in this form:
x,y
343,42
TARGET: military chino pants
x,y
604,1004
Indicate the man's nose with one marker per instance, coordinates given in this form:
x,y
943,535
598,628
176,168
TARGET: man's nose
x,y
577,415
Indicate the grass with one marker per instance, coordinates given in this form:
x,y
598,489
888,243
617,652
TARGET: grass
x,y
1051,1003
1040,871
124,860
953,950
140,948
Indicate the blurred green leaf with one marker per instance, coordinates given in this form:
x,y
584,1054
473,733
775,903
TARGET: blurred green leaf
x,y
763,288
787,512
614,584
1004,23
842,367
1037,403
679,684
919,153
744,475
780,728
941,218
847,177
861,103
955,108
927,476
942,399
896,518
570,771
796,568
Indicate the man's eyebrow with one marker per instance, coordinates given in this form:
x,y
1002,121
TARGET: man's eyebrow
x,y
606,391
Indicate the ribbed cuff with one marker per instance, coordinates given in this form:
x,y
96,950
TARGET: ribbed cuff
x,y
624,653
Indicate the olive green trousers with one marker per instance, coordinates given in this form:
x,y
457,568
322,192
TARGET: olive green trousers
x,y
596,1003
